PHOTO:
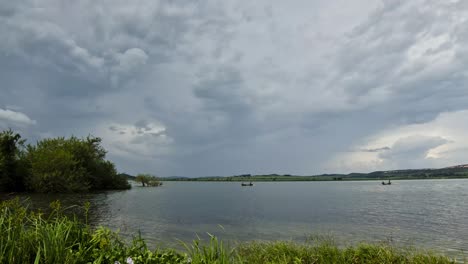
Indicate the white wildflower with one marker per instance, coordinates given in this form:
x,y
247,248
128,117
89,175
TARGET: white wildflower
x,y
129,260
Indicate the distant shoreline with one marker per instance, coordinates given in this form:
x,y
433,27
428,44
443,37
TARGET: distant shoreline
x,y
309,180
458,172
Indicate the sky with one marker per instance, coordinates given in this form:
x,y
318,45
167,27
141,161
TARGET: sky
x,y
204,87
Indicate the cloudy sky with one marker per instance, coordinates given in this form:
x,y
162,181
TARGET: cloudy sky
x,y
204,87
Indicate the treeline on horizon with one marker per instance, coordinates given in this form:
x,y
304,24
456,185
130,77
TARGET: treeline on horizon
x,y
443,173
56,165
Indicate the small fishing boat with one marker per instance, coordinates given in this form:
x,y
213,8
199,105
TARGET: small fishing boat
x,y
247,184
388,183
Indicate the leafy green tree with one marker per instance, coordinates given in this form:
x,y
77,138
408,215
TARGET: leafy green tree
x,y
142,178
54,168
10,148
56,165
72,165
90,155
147,180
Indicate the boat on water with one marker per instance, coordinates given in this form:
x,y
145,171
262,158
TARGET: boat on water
x,y
387,183
247,184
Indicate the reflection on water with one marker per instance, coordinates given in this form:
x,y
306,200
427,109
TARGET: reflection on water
x,y
428,213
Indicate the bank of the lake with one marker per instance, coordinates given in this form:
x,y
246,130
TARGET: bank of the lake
x,y
35,237
426,214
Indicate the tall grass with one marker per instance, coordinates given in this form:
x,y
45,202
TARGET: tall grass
x,y
215,252
34,237
289,252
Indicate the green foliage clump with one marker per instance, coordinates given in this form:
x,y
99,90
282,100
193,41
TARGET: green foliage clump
x,y
71,165
289,252
11,176
214,252
32,237
56,165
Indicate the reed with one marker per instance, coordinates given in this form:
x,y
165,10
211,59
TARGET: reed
x,y
290,252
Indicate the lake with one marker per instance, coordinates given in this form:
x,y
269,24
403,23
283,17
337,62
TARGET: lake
x,y
423,213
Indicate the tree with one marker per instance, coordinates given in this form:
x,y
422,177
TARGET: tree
x,y
10,148
71,165
147,180
56,165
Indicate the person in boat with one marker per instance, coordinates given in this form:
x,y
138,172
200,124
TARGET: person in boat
x,y
388,183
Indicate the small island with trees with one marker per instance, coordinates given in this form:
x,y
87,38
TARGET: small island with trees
x,y
148,180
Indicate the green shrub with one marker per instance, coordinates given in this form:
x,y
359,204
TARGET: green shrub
x,y
56,165
11,177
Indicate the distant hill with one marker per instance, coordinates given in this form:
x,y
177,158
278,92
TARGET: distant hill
x,y
454,172
128,176
173,177
458,166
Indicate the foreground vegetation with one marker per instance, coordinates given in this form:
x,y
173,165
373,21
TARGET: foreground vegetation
x,y
56,165
34,237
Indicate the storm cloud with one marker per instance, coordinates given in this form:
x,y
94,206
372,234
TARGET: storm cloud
x,y
219,88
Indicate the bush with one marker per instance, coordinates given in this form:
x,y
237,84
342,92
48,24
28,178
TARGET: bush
x,y
11,177
71,165
56,165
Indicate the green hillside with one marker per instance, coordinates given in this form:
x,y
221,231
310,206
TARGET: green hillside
x,y
455,172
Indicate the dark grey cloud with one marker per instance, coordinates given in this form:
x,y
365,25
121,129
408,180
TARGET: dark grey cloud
x,y
405,59
210,88
376,149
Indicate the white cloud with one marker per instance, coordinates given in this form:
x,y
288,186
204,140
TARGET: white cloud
x,y
438,143
9,117
143,140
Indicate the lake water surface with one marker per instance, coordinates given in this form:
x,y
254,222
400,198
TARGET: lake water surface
x,y
423,213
